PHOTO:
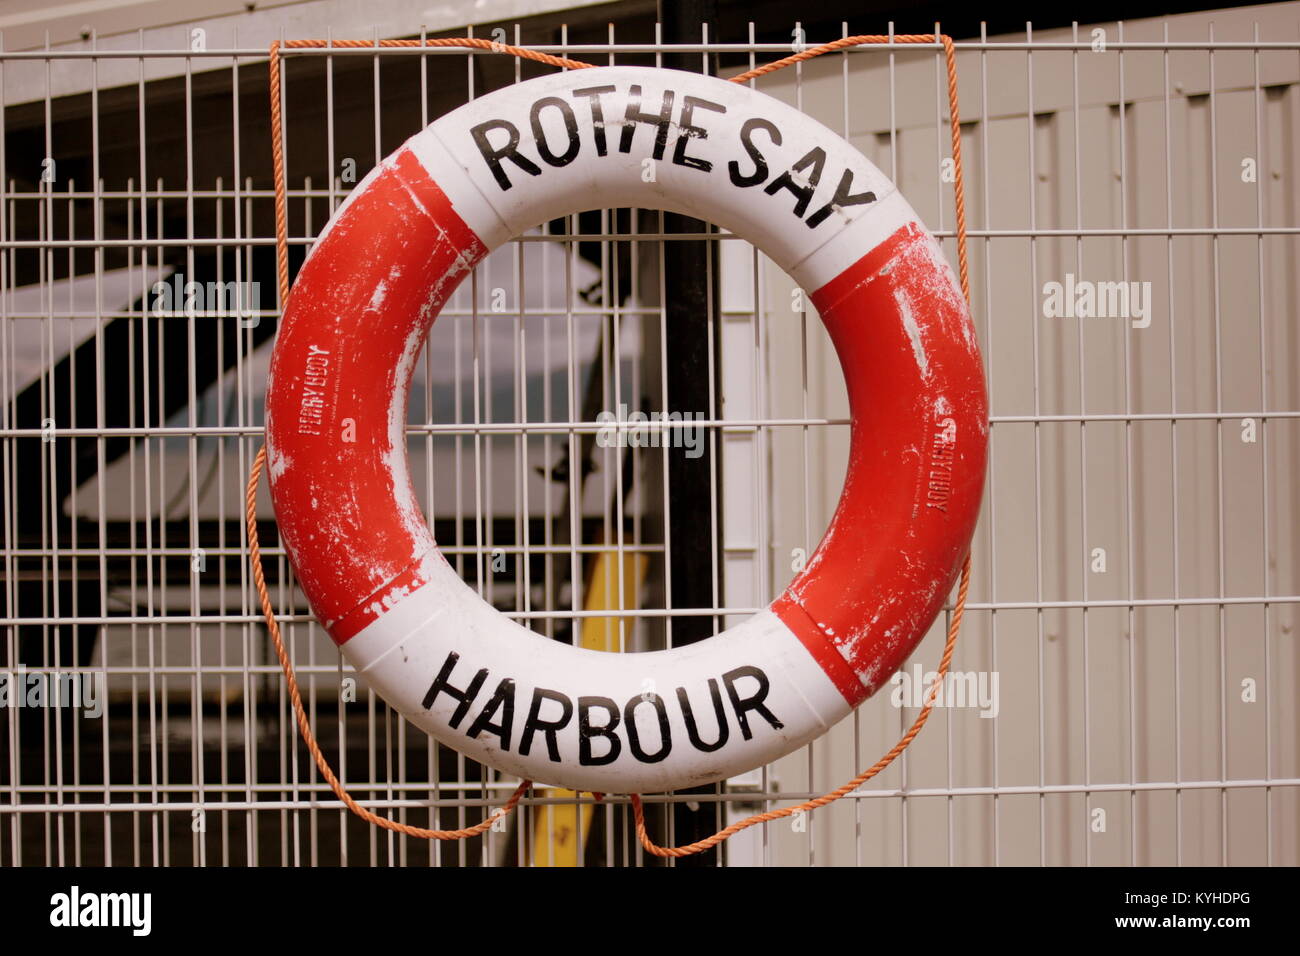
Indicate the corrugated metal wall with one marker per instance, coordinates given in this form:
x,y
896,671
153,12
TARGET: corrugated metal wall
x,y
1136,569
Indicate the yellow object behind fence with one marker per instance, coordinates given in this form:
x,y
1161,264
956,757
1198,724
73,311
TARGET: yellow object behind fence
x,y
562,828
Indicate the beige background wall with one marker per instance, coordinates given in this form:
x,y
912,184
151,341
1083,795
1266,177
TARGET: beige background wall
x,y
1116,686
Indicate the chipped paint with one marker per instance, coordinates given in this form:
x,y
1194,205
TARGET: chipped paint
x,y
913,332
277,463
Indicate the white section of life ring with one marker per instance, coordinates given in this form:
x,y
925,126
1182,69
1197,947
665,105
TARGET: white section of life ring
x,y
447,150
748,680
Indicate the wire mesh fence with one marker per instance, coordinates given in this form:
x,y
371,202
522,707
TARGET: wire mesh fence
x,y
1125,692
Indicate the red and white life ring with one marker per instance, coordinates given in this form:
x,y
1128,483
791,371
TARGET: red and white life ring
x,y
337,403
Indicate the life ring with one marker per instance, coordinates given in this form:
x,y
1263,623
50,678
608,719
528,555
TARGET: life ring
x,y
358,316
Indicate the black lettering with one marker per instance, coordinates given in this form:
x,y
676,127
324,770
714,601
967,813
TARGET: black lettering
x,y
634,735
633,115
692,731
687,132
753,702
504,700
440,685
803,192
842,197
747,140
549,728
493,155
586,731
570,128
593,95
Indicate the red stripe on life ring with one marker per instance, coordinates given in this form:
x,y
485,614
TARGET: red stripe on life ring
x,y
392,259
897,540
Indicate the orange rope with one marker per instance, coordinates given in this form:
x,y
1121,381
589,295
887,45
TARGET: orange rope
x,y
699,846
255,552
263,595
